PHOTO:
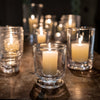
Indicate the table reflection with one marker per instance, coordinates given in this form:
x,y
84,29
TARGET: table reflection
x,y
38,93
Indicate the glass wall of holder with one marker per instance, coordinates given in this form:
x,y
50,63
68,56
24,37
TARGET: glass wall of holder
x,y
49,63
11,49
49,26
40,36
80,42
71,21
36,10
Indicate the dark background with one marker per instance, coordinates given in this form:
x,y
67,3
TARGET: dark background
x,y
11,12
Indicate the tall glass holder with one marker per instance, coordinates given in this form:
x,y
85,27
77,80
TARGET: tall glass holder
x,y
80,42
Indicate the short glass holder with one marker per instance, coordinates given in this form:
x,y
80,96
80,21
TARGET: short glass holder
x,y
11,49
49,63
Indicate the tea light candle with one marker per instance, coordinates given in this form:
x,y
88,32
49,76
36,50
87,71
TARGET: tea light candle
x,y
32,23
11,44
41,38
80,51
50,59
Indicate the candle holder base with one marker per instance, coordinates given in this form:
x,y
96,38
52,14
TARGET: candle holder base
x,y
49,83
81,66
9,71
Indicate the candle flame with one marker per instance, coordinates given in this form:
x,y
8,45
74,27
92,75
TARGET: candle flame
x,y
60,25
80,39
49,46
48,21
32,16
11,38
41,30
58,34
70,21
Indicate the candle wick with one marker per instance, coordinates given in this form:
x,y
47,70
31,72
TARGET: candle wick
x,y
11,38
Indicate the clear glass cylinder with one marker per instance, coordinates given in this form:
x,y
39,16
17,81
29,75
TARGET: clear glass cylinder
x,y
49,63
39,36
80,42
11,49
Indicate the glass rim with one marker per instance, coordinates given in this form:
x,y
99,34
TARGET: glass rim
x,y
11,27
82,28
54,46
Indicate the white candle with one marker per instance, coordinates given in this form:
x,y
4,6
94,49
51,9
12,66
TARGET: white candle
x,y
41,38
33,22
50,59
80,51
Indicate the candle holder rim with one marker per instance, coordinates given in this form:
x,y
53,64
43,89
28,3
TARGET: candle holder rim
x,y
53,46
7,28
82,28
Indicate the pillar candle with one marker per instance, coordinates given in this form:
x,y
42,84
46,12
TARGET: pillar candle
x,y
80,51
41,38
32,23
50,59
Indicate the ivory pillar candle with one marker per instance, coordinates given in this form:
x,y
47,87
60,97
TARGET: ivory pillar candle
x,y
50,59
32,23
80,52
41,38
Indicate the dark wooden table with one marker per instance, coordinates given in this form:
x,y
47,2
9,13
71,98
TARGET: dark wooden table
x,y
79,85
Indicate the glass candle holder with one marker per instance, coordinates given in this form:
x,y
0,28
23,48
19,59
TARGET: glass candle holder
x,y
11,49
33,23
71,21
80,42
49,63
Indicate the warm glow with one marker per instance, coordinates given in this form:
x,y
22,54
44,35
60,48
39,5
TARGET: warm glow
x,y
58,34
49,46
48,21
70,21
11,39
32,16
24,20
41,30
80,39
60,25
32,4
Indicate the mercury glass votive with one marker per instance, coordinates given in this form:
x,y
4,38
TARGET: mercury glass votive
x,y
11,49
80,48
49,63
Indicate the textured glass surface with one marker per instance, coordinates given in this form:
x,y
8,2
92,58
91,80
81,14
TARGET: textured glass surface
x,y
11,48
